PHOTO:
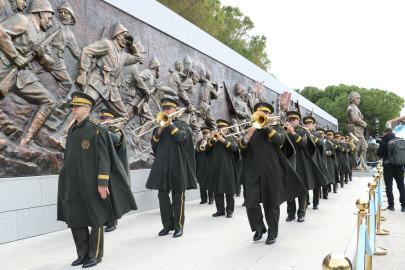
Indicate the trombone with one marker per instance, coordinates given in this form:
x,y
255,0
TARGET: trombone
x,y
115,122
142,153
259,120
162,120
286,127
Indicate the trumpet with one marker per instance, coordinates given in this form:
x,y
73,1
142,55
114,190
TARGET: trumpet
x,y
259,120
115,122
287,126
203,144
162,120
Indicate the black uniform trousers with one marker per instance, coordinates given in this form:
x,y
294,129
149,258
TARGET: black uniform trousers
x,y
255,217
220,202
343,179
172,214
111,222
89,244
396,172
204,196
325,191
317,195
302,206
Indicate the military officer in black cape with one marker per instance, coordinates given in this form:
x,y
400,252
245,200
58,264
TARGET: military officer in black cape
x,y
352,160
120,145
306,167
173,169
332,160
338,152
319,157
270,176
93,184
347,157
201,159
222,173
343,162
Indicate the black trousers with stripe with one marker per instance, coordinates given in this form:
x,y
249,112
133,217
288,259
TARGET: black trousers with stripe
x,y
89,244
172,213
292,207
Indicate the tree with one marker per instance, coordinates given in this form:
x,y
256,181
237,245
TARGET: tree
x,y
377,106
227,24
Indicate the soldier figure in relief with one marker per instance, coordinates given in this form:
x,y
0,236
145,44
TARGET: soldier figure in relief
x,y
20,34
356,125
208,93
111,58
241,111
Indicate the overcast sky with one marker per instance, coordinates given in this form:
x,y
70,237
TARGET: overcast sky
x,y
320,43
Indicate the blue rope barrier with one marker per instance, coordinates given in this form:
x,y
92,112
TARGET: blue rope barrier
x,y
372,225
380,193
361,249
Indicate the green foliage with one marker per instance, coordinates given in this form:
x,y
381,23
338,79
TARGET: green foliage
x,y
227,24
377,106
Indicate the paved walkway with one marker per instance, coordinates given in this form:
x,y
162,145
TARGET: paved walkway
x,y
210,243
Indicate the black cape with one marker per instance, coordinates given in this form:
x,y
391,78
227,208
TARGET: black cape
x,y
306,167
344,159
320,156
119,140
331,162
174,165
270,176
222,173
90,161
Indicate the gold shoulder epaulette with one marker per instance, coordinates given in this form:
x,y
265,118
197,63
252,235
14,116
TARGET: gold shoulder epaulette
x,y
93,121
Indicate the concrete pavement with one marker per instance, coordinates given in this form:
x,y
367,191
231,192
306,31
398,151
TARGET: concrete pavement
x,y
213,243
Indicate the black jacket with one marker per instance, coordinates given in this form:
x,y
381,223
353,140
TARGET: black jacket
x,y
383,150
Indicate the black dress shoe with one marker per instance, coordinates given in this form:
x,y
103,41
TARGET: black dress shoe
x,y
346,182
301,219
80,260
342,186
243,204
315,206
308,203
91,262
165,231
270,240
334,191
351,179
325,197
258,235
391,207
218,214
178,233
110,228
290,218
228,215
237,195
210,202
202,202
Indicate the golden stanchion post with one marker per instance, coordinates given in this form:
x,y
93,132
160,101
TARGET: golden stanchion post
x,y
372,186
380,231
380,171
336,261
361,166
362,205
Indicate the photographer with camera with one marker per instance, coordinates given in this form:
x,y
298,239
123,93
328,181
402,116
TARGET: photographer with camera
x,y
393,166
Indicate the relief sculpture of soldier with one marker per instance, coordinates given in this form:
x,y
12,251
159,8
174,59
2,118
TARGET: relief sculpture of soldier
x,y
208,93
251,98
175,79
187,97
240,108
356,125
19,35
65,39
111,58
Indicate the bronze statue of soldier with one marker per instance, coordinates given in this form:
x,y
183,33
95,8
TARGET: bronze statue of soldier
x,y
21,34
356,125
111,58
